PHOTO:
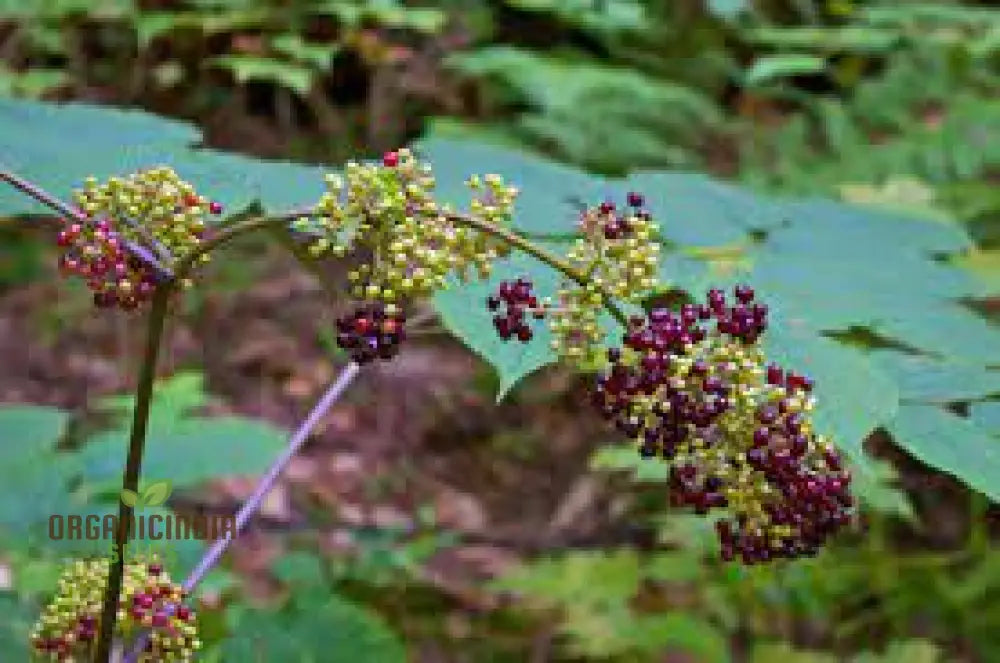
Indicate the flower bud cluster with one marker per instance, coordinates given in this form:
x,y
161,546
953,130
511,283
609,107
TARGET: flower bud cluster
x,y
737,434
388,212
574,322
618,252
152,209
68,627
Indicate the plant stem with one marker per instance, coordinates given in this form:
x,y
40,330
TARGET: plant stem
x,y
264,486
133,466
554,261
50,201
40,194
190,260
140,420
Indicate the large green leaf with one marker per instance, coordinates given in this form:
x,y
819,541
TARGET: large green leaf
x,y
16,620
951,444
33,476
925,379
192,452
316,629
986,415
854,397
106,142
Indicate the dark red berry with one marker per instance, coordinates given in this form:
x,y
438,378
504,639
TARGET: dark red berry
x,y
215,208
634,199
390,159
370,333
519,301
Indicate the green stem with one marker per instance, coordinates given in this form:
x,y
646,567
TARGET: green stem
x,y
554,261
140,419
133,467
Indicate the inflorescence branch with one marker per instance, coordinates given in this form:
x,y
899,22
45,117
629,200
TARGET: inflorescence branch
x,y
691,387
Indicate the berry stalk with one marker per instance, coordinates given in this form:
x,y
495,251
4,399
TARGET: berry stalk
x,y
133,466
264,486
140,421
550,259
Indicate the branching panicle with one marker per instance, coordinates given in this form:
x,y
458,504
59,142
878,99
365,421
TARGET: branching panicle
x,y
691,387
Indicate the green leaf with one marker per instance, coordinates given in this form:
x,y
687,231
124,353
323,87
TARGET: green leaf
x,y
927,379
248,67
853,396
299,568
577,578
951,444
581,110
157,493
319,56
678,630
626,457
825,39
16,619
604,17
769,68
174,399
877,490
986,415
511,359
181,449
903,651
765,652
109,141
33,475
190,452
32,83
129,497
324,630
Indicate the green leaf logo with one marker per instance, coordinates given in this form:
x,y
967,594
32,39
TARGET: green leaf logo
x,y
155,494
129,498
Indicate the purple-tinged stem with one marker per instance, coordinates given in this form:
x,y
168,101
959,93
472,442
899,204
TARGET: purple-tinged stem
x,y
41,195
264,486
50,201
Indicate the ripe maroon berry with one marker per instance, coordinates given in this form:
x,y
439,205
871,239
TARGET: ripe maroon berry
x,y
215,207
744,293
518,300
634,199
390,159
372,331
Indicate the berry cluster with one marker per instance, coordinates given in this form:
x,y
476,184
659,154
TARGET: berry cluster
x,y
576,331
95,252
372,331
618,251
737,434
388,211
153,210
67,629
518,300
